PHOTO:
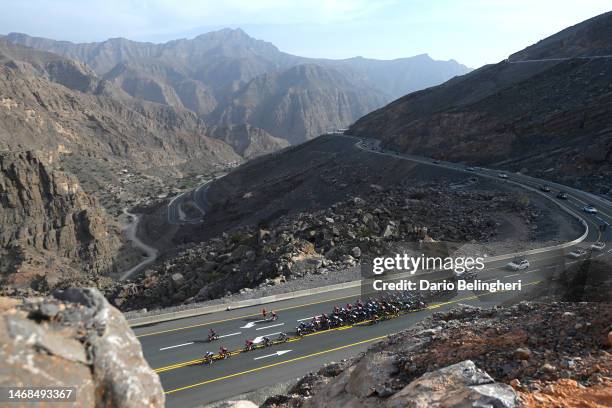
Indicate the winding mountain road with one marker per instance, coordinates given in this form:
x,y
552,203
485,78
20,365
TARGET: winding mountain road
x,y
131,234
174,347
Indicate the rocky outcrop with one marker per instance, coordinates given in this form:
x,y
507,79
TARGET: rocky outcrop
x,y
76,339
530,354
50,229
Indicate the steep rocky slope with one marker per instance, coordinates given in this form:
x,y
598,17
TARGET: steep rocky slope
x,y
214,71
58,106
528,355
299,103
248,141
51,231
325,243
76,339
549,118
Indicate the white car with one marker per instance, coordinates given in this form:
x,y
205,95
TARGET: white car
x,y
502,175
598,246
590,209
518,265
577,253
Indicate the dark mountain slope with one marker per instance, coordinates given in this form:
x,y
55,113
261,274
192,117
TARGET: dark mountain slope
x,y
550,118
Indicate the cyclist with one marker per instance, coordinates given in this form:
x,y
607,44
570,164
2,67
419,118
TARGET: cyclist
x,y
248,345
212,335
274,316
208,357
264,313
223,352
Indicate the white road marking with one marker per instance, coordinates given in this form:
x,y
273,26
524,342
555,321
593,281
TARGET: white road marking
x,y
510,276
178,345
231,334
306,318
278,353
259,339
251,324
532,270
269,327
602,220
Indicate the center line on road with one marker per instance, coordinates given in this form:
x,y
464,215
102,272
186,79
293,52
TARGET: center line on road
x,y
268,327
178,345
510,276
231,334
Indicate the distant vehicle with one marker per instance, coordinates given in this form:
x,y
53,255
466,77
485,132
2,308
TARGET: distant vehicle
x,y
577,253
545,188
598,246
518,264
436,161
502,175
590,209
562,195
471,168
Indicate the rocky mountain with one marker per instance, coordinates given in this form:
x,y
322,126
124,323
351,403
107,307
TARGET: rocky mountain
x,y
527,355
549,118
76,339
51,230
299,103
248,141
213,73
54,104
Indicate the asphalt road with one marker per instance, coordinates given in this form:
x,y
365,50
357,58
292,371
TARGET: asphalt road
x,y
174,348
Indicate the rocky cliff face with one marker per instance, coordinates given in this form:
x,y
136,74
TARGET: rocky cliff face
x,y
548,118
76,339
299,103
51,230
528,355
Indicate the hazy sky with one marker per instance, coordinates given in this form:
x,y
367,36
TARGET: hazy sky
x,y
473,32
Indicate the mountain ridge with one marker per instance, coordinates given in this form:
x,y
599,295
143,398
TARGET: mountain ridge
x,y
206,74
548,118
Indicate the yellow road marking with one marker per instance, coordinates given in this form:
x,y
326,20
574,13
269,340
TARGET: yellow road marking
x,y
318,353
434,306
309,355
